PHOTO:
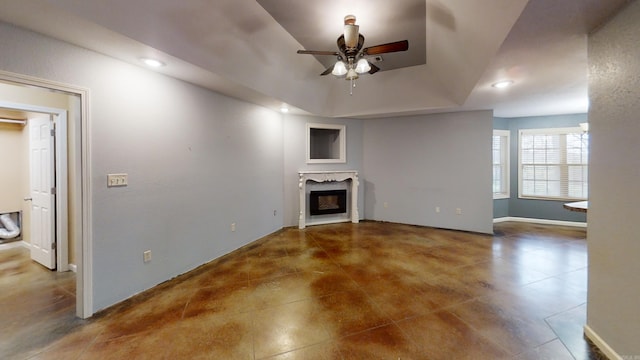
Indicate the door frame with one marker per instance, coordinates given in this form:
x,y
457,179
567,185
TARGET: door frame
x,y
82,204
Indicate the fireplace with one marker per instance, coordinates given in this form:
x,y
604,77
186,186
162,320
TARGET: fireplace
x,y
349,178
327,202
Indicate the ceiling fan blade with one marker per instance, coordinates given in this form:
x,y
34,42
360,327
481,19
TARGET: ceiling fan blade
x,y
318,52
387,48
328,71
374,69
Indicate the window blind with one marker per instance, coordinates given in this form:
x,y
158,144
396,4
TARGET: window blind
x,y
553,163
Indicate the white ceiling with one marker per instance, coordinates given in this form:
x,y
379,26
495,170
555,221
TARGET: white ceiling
x,y
247,49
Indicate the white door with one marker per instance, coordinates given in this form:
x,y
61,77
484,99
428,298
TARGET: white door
x,y
42,150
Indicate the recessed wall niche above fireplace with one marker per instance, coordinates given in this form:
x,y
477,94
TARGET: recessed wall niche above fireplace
x,y
333,195
326,143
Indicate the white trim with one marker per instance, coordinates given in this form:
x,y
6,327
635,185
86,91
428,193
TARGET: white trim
x,y
507,165
62,194
601,344
325,222
84,247
15,244
342,139
540,221
551,131
73,268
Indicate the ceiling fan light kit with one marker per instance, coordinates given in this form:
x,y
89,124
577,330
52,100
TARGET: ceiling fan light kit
x,y
350,48
339,69
351,74
363,66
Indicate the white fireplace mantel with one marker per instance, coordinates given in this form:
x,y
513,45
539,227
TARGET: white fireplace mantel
x,y
324,176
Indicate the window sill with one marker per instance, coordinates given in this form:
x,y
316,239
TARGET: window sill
x,y
550,198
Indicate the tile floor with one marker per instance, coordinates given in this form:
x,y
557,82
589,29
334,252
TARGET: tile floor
x,y
345,291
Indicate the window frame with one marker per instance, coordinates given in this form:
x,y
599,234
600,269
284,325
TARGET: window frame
x,y
506,157
564,164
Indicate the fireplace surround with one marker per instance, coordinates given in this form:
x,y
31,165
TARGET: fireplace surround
x,y
349,177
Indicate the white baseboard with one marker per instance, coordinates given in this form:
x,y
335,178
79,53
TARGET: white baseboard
x,y
540,221
601,344
73,267
15,244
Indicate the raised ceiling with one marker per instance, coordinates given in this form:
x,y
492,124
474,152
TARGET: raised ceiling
x,y
247,49
406,20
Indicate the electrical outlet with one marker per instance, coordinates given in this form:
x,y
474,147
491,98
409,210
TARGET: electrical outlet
x,y
275,212
233,227
146,256
438,209
386,204
114,180
458,211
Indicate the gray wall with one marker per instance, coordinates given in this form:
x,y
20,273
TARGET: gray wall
x,y
197,161
415,164
295,159
500,208
530,208
614,244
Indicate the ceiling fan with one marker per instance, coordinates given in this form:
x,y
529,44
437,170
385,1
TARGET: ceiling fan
x,y
352,58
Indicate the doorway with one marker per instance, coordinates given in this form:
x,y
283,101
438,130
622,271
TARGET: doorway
x,y
38,178
72,187
45,212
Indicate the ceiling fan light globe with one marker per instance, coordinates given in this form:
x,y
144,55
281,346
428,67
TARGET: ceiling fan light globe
x,y
363,66
351,74
339,69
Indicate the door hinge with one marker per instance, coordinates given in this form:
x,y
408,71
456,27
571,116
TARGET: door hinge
x,y
53,246
53,191
53,132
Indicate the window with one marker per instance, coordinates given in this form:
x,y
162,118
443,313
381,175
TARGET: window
x,y
500,164
553,164
326,143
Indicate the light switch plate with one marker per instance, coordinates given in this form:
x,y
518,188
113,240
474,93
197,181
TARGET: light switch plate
x,y
116,180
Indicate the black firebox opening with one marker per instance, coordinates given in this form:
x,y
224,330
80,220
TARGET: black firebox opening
x,y
328,202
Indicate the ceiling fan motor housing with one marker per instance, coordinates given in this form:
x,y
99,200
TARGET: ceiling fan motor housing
x,y
350,32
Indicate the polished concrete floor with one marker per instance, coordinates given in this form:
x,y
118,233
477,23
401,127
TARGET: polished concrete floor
x,y
346,291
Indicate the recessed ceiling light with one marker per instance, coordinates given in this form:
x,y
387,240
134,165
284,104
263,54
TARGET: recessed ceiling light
x,y
284,109
502,84
152,62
